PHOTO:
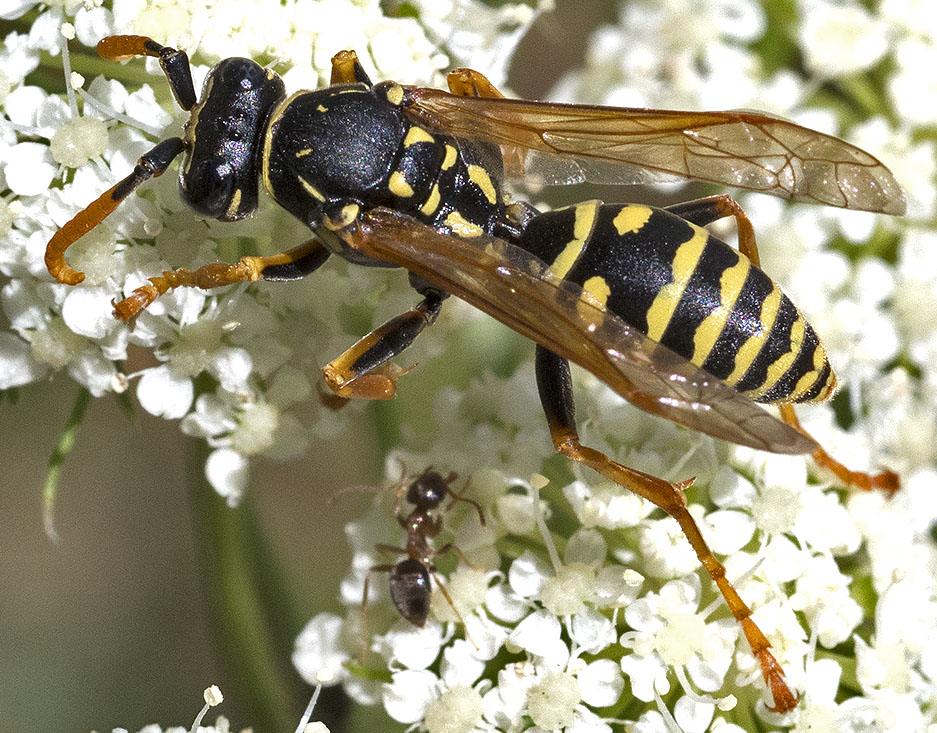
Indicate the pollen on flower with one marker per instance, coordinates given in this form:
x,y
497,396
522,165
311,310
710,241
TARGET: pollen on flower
x,y
552,702
56,344
467,588
682,637
776,509
567,592
78,140
457,710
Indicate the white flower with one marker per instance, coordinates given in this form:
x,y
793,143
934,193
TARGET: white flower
x,y
840,39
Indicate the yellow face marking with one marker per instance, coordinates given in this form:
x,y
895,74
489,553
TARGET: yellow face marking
x,y
750,349
583,224
667,298
303,153
311,190
708,332
417,135
322,108
432,202
631,218
778,368
449,160
479,176
346,216
235,203
398,185
395,94
461,226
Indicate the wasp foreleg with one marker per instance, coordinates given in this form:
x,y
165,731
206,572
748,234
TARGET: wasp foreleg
x,y
291,265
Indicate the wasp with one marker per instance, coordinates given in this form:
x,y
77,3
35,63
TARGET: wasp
x,y
671,318
410,587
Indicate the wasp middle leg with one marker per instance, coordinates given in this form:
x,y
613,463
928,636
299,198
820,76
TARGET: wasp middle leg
x,y
365,371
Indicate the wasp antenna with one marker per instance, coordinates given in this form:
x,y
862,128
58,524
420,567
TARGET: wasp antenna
x,y
175,64
153,163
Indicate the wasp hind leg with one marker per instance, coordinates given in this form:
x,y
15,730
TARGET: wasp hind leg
x,y
707,210
291,265
365,371
555,387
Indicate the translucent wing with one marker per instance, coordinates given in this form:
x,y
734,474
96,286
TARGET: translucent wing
x,y
511,285
749,150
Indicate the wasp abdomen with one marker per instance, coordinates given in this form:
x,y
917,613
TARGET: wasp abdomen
x,y
688,290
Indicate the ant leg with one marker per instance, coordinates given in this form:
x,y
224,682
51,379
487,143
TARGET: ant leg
x,y
461,555
151,164
556,395
456,496
442,588
364,607
346,69
707,210
362,371
175,64
293,264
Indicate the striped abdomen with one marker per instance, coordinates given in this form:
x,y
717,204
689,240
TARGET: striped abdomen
x,y
686,289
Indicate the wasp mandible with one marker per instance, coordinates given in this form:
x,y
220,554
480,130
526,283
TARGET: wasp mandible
x,y
671,318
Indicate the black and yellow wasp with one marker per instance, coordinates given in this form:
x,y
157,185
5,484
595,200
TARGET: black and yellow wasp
x,y
646,299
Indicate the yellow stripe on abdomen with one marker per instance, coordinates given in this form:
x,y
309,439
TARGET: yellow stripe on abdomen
x,y
684,263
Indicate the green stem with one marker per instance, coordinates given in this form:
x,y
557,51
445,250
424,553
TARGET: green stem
x,y
255,643
66,442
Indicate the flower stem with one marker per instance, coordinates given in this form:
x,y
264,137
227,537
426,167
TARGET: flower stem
x,y
253,617
50,485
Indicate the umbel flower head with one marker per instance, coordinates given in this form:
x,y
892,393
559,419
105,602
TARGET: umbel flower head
x,y
582,608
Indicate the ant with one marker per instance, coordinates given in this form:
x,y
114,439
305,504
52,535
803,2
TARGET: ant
x,y
410,587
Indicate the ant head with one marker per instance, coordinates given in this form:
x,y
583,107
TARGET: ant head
x,y
429,489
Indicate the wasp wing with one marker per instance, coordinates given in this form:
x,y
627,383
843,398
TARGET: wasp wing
x,y
514,287
750,150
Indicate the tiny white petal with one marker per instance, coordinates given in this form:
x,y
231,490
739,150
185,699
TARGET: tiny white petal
x,y
537,633
163,394
408,694
601,683
227,472
527,575
318,654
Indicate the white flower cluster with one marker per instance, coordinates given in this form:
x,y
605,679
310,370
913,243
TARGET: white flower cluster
x,y
622,625
233,365
620,631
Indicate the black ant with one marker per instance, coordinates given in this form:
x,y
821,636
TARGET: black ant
x,y
410,587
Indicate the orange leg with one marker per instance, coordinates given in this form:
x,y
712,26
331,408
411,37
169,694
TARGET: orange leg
x,y
292,265
470,83
346,69
555,386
